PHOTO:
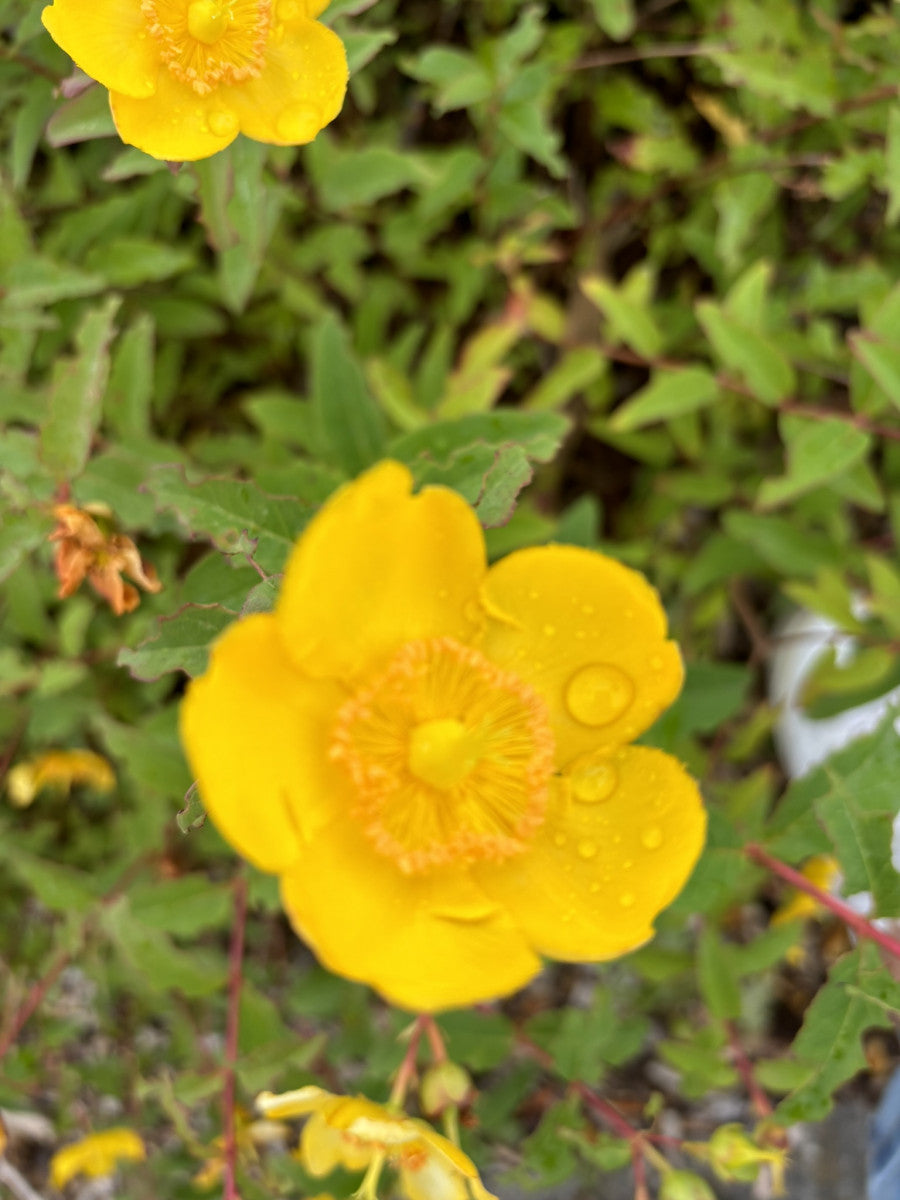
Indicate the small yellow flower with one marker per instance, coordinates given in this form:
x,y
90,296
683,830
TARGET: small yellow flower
x,y
352,1132
823,872
59,770
186,76
433,757
83,548
95,1155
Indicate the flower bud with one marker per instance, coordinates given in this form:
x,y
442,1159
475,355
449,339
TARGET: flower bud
x,y
445,1085
684,1185
734,1155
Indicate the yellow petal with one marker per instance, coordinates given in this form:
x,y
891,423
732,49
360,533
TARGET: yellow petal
x,y
434,1180
297,1103
300,89
378,567
426,942
254,731
324,1147
589,635
604,865
175,123
108,39
95,1155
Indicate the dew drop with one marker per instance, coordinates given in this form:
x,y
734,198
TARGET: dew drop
x,y
598,694
222,122
559,839
549,630
533,595
594,888
627,899
298,123
587,849
580,634
470,913
627,864
587,609
652,837
593,781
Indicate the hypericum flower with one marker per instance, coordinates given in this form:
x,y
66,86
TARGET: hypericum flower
x,y
186,76
84,549
95,1155
59,770
352,1132
432,754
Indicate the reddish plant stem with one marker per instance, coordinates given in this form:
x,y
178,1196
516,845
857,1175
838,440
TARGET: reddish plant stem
x,y
435,1040
762,1106
232,1029
406,1072
860,926
42,986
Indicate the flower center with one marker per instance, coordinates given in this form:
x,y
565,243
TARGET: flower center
x,y
205,43
450,757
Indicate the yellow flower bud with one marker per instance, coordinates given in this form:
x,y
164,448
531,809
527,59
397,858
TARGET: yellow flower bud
x,y
684,1185
735,1156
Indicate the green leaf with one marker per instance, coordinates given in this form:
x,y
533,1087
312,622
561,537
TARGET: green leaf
x,y
152,957
669,394
629,318
77,394
60,888
756,360
349,424
892,165
510,472
817,452
181,644
20,533
859,994
616,18
539,435
81,119
880,359
237,516
127,262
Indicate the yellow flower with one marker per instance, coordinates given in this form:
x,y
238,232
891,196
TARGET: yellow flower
x,y
186,76
83,548
58,769
823,872
351,1132
432,754
95,1155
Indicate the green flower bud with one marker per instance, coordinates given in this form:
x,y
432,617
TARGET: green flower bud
x,y
445,1085
684,1185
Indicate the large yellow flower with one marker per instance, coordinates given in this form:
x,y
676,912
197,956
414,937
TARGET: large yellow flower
x,y
186,76
432,754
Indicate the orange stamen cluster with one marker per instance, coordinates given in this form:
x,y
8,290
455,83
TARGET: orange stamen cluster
x,y
488,798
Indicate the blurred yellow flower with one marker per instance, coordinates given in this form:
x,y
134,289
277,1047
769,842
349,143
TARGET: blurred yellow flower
x,y
823,872
85,549
95,1155
432,754
186,76
60,770
352,1132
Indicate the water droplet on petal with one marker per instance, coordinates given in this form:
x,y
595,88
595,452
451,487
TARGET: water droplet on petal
x,y
559,839
652,837
627,899
587,849
222,122
594,888
627,864
598,694
593,781
298,123
587,609
533,595
549,630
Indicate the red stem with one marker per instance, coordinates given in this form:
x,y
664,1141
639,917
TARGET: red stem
x,y
435,1040
860,926
761,1104
232,1029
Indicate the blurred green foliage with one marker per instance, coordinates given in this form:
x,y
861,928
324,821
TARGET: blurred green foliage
x,y
625,275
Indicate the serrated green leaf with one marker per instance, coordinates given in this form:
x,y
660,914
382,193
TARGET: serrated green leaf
x,y
181,644
349,425
76,396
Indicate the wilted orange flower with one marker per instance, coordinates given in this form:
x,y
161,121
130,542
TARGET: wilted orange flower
x,y
84,549
59,769
433,754
352,1132
95,1155
186,76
